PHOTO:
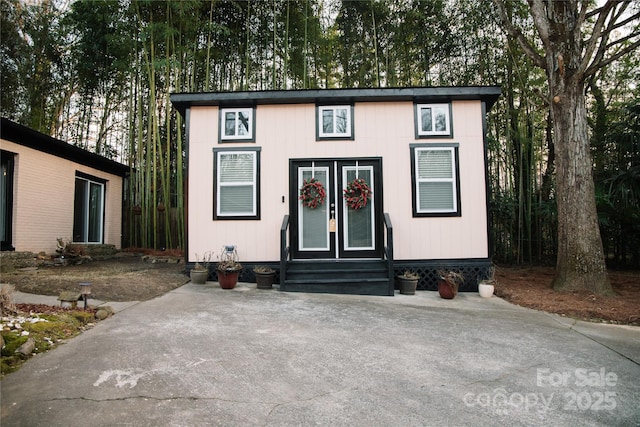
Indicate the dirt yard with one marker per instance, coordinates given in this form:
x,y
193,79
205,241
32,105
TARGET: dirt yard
x,y
530,287
129,278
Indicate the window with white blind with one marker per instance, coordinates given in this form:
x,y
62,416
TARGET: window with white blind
x,y
435,180
334,122
236,124
237,183
433,120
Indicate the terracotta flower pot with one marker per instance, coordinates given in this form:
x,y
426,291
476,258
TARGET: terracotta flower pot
x,y
446,290
228,279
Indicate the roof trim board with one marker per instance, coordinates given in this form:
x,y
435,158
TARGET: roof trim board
x,y
488,94
28,137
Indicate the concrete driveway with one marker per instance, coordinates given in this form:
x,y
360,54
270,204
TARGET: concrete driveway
x,y
203,356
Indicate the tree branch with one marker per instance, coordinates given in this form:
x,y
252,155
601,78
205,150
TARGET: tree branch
x,y
598,61
595,66
591,14
621,24
596,37
620,11
583,12
540,20
514,32
623,39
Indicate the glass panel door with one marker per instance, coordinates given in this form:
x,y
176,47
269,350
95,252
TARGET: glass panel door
x,y
95,213
88,213
336,229
315,238
359,229
6,200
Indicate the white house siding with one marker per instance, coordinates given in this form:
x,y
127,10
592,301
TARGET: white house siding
x,y
381,129
43,194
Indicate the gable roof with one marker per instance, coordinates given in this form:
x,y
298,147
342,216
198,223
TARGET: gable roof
x,y
22,135
488,94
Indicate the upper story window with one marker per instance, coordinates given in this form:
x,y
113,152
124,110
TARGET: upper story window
x,y
433,120
237,124
334,122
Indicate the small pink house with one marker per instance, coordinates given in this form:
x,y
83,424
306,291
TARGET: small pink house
x,y
339,190
51,189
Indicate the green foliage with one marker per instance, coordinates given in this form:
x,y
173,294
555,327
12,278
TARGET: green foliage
x,y
13,55
33,65
83,317
10,359
618,185
53,329
46,334
12,340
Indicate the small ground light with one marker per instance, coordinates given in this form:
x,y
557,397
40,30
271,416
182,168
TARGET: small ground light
x,y
85,291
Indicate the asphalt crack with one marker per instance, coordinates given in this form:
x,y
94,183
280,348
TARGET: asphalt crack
x,y
575,322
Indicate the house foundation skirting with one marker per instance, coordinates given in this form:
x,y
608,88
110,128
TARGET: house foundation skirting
x,y
473,269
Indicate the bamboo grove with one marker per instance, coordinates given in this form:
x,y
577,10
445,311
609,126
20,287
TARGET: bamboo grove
x,y
99,75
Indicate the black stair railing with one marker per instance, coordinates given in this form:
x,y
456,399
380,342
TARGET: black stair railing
x,y
388,251
284,249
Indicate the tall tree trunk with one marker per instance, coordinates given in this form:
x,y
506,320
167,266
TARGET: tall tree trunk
x,y
102,131
375,44
207,65
580,260
580,263
574,43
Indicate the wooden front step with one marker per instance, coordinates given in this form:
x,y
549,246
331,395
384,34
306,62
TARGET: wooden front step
x,y
361,277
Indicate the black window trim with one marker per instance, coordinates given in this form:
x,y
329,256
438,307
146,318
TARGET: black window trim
x,y
416,124
103,182
221,108
414,200
337,137
91,177
217,217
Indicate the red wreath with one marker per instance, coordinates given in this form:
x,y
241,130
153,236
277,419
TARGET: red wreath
x,y
312,193
357,194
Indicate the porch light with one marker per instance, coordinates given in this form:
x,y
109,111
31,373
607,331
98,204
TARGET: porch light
x,y
85,291
229,253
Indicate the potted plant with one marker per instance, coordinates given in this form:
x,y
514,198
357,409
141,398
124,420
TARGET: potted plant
x,y
265,276
407,282
487,286
228,268
448,283
200,271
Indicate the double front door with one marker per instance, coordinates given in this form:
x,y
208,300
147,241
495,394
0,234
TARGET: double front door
x,y
334,229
